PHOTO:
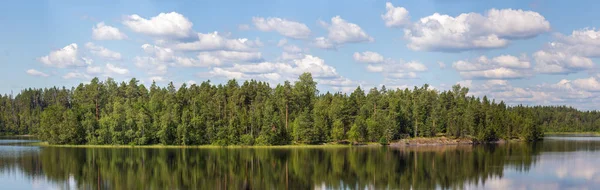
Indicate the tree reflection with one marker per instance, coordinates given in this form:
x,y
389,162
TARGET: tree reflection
x,y
273,168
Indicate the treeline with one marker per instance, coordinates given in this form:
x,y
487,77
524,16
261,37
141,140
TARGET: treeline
x,y
255,113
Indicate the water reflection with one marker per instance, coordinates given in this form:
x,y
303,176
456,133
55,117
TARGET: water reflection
x,y
555,163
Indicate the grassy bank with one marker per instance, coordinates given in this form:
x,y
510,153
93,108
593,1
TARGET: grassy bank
x,y
419,141
45,144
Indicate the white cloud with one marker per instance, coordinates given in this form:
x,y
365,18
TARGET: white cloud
x,y
34,72
323,43
219,72
157,79
160,53
290,56
112,69
205,59
468,31
314,65
368,57
76,75
560,62
94,70
103,52
275,72
403,75
340,32
169,25
105,32
108,70
415,66
512,62
390,69
87,60
395,16
152,65
501,67
190,82
375,68
284,27
214,41
589,84
65,57
497,73
582,42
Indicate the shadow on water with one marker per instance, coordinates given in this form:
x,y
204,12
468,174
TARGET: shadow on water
x,y
331,168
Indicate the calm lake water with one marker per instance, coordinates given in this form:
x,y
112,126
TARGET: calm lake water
x,y
559,162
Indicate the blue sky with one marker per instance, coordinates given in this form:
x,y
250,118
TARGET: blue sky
x,y
523,52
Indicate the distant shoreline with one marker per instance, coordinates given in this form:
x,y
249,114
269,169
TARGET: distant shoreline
x,y
410,142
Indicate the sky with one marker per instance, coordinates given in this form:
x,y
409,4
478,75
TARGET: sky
x,y
531,52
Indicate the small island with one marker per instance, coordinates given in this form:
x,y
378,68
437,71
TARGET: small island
x,y
255,113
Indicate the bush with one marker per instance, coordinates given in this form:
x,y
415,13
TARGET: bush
x,y
383,141
247,140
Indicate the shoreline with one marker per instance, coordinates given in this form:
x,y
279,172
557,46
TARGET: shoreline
x,y
410,142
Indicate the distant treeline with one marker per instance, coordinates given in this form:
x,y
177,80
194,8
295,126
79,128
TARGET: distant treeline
x,y
255,113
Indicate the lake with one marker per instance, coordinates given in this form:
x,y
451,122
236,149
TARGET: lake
x,y
559,162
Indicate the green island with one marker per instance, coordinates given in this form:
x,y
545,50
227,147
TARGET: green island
x,y
255,114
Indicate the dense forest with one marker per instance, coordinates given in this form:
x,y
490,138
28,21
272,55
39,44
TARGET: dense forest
x,y
254,113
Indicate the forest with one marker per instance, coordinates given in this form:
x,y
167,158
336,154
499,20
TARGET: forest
x,y
254,113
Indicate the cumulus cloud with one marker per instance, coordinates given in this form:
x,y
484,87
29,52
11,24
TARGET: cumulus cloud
x,y
469,31
34,72
284,27
415,66
169,25
323,43
215,41
497,73
557,62
589,84
368,57
573,93
76,75
395,16
277,71
108,70
94,70
501,67
341,32
398,70
583,42
102,52
151,65
104,32
214,58
389,68
113,69
569,54
65,57
160,53
157,79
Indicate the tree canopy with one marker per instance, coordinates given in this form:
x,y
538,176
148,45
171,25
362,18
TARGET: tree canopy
x,y
107,112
